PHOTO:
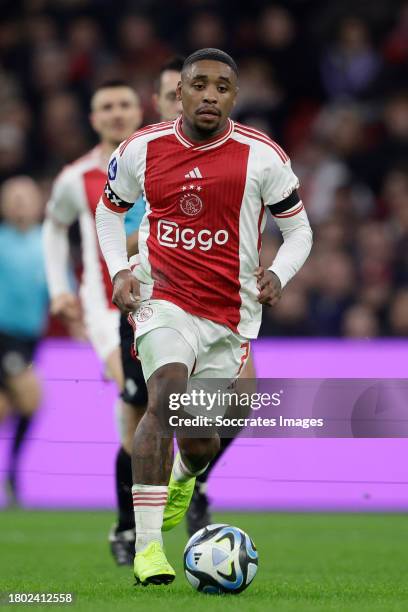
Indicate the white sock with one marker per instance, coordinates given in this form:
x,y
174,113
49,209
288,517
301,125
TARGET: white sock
x,y
181,473
148,503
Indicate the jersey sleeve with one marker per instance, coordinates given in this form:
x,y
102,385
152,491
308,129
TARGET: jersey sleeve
x,y
122,187
134,217
62,205
279,183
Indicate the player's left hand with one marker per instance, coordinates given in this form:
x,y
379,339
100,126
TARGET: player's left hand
x,y
269,285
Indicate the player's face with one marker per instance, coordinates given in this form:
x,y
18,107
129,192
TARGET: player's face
x,y
208,90
21,202
166,103
116,114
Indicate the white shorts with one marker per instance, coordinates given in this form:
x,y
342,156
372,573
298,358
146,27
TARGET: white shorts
x,y
208,349
102,328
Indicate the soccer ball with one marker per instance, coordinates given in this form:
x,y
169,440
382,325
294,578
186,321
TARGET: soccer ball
x,y
220,559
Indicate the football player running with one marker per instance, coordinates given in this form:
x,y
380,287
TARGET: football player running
x,y
197,295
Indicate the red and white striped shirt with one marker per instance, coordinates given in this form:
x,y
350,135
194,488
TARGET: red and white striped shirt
x,y
75,196
200,237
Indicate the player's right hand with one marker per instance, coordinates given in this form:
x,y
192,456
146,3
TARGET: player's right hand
x,y
126,291
67,307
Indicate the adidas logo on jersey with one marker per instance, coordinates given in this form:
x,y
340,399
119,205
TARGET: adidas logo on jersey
x,y
194,173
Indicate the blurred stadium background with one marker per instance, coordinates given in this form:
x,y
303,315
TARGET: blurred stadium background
x,y
328,81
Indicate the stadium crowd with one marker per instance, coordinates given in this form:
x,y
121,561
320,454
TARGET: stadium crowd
x,y
326,80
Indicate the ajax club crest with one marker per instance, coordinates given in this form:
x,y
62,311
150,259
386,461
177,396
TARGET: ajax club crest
x,y
190,202
143,313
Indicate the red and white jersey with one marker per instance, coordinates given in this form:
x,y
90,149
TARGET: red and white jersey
x,y
75,196
200,237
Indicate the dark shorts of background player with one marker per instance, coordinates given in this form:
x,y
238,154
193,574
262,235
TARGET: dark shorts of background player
x,y
135,391
16,355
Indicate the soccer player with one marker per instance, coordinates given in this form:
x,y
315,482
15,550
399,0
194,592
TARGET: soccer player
x,y
168,108
197,297
23,311
115,114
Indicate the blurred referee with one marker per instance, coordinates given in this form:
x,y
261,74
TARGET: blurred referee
x,y
23,311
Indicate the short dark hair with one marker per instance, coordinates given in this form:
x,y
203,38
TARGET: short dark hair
x,y
210,54
111,83
174,63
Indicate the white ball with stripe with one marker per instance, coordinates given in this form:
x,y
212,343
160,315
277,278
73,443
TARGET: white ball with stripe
x,y
220,558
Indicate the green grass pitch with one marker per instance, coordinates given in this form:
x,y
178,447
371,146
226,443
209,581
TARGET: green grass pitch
x,y
307,562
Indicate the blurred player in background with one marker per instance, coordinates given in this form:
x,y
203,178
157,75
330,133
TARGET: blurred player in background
x,y
122,536
206,182
115,114
23,310
168,108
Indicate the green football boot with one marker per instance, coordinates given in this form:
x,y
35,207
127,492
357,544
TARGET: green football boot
x,y
178,501
152,567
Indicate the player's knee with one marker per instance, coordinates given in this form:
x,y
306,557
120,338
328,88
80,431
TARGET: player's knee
x,y
200,450
166,381
127,444
171,374
113,368
26,393
29,401
4,406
